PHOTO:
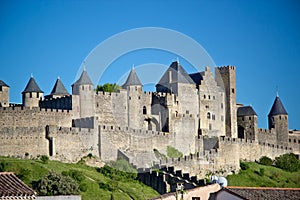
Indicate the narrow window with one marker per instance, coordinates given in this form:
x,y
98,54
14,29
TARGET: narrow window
x,y
37,95
187,112
249,118
232,90
222,105
144,110
30,95
210,127
204,96
213,117
82,87
208,115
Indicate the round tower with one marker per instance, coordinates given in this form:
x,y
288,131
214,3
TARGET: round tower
x,y
4,94
32,94
133,86
278,120
83,97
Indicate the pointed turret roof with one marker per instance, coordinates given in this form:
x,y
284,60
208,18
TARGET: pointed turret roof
x,y
179,75
32,86
3,84
277,108
84,79
59,88
245,111
132,79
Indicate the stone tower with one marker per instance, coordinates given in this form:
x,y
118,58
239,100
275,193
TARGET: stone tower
x,y
178,82
133,86
278,120
247,123
32,94
4,94
83,97
226,78
58,90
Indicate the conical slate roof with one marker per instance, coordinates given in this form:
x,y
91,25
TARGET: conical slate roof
x,y
245,111
59,88
132,79
3,84
84,79
277,108
178,74
32,86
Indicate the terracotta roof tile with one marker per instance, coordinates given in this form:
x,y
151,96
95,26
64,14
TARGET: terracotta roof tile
x,y
265,193
12,186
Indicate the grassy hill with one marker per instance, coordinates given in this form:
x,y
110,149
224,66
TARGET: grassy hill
x,y
264,176
94,182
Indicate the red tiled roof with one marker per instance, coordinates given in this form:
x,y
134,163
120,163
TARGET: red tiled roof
x,y
11,186
265,193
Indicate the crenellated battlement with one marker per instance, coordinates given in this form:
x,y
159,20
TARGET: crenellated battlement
x,y
21,109
111,128
226,68
225,140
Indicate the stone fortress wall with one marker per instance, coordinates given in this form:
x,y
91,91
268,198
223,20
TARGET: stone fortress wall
x,y
202,124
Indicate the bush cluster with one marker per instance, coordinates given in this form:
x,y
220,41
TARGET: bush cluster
x,y
288,162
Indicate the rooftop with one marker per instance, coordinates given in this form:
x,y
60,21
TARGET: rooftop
x,y
277,108
245,111
132,79
265,192
59,88
12,186
32,86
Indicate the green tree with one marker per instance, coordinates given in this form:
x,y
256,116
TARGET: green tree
x,y
108,87
57,184
288,162
265,161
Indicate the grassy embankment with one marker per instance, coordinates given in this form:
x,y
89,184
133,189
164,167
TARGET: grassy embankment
x,y
31,171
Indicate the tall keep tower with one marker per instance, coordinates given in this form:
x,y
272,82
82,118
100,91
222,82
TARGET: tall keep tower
x,y
32,94
4,94
83,97
133,86
278,120
226,78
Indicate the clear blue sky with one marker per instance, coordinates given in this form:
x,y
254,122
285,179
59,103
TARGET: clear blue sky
x,y
260,38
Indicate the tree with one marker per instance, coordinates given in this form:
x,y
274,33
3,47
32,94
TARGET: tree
x,y
57,184
288,162
108,87
265,161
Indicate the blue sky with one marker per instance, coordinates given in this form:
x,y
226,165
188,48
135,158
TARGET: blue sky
x,y
261,38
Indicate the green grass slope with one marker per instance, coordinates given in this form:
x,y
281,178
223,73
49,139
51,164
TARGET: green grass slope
x,y
31,171
264,176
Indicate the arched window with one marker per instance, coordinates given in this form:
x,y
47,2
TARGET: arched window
x,y
208,115
144,110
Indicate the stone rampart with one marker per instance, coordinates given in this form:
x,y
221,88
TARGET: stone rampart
x,y
89,122
71,144
18,141
57,103
34,117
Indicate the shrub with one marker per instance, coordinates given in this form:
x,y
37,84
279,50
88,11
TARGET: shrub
x,y
287,162
44,159
57,184
3,166
244,166
173,153
265,161
75,174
